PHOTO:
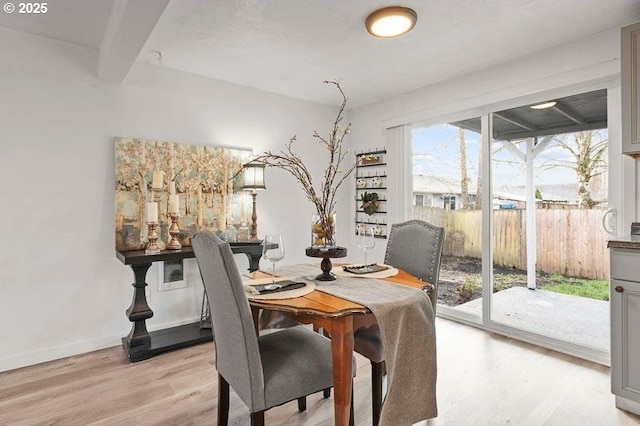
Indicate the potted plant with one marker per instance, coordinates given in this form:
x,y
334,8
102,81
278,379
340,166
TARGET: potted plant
x,y
370,202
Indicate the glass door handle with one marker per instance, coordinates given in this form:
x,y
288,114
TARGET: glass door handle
x,y
611,229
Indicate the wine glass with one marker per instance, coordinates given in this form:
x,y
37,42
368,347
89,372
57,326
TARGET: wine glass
x,y
366,241
273,251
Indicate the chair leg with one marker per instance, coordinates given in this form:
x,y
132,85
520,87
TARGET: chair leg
x,y
326,393
351,416
377,369
223,401
302,404
257,418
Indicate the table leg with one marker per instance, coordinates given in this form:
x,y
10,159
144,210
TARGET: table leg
x,y
342,352
138,341
254,261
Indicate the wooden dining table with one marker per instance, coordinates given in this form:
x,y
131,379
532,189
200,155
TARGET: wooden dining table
x,y
335,315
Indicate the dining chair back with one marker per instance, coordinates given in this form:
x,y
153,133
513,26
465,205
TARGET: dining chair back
x,y
264,371
415,246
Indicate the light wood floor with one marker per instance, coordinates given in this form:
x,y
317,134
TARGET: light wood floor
x,y
483,379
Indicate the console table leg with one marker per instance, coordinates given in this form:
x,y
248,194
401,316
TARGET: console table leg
x,y
138,341
254,261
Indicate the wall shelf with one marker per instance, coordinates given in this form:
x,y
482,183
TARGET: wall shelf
x,y
375,170
372,165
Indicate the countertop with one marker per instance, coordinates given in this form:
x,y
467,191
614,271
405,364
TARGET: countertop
x,y
625,242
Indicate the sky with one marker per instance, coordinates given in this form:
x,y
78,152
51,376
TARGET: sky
x,y
436,152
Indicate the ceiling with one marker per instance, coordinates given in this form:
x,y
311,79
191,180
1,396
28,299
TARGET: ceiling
x,y
290,46
584,111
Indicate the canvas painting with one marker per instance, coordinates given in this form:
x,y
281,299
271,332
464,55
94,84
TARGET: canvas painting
x,y
205,178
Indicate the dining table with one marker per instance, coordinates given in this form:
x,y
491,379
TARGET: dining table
x,y
336,316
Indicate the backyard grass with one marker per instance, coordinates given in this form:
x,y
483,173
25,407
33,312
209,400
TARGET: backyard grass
x,y
461,281
593,289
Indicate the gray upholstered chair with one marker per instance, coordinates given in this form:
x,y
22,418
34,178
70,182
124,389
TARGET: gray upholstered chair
x,y
265,371
415,247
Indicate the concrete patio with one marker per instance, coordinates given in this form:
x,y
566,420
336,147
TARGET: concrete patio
x,y
571,318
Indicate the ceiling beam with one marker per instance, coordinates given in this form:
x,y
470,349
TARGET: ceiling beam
x,y
562,109
130,25
513,135
515,121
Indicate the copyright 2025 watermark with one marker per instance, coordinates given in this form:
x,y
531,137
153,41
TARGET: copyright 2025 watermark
x,y
26,8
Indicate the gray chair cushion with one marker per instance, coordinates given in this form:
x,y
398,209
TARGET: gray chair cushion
x,y
367,341
296,361
274,319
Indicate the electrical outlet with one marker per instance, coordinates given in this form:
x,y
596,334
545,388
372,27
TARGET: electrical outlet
x,y
171,275
172,285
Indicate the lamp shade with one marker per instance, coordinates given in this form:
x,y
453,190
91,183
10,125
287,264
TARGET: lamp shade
x,y
253,177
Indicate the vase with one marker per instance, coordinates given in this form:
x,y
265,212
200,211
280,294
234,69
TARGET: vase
x,y
323,231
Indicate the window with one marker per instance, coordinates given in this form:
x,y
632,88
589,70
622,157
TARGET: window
x,y
450,202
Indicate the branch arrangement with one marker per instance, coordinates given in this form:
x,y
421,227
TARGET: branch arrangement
x,y
324,199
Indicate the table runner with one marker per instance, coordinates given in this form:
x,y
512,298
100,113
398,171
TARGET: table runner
x,y
407,327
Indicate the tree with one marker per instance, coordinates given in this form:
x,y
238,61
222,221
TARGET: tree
x,y
478,203
464,178
589,160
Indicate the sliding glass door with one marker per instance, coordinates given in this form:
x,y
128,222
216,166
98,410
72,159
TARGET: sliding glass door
x,y
549,194
523,192
446,186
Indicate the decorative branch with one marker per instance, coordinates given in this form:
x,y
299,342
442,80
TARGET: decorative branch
x,y
288,160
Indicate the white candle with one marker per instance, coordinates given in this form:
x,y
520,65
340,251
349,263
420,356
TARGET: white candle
x,y
152,212
172,187
158,177
174,203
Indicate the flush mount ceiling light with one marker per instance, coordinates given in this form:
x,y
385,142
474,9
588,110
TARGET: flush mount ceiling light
x,y
544,105
391,21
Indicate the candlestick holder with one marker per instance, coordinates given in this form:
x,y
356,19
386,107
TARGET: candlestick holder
x,y
152,247
157,194
174,230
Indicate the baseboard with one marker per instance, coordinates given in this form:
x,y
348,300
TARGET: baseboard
x,y
628,405
50,354
62,351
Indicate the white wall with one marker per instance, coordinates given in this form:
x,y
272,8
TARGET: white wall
x,y
559,71
62,290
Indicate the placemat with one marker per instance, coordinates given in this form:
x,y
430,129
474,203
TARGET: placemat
x,y
284,294
391,272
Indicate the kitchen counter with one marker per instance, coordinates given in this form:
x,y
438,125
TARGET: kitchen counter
x,y
625,242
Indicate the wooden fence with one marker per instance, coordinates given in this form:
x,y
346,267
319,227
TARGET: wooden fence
x,y
569,241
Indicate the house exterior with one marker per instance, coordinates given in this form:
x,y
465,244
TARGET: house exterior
x,y
444,192
440,192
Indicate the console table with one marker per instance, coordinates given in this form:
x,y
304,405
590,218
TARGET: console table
x,y
141,344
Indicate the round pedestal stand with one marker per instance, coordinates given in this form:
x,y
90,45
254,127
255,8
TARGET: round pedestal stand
x,y
326,253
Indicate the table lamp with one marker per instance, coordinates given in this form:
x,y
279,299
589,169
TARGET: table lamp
x,y
253,181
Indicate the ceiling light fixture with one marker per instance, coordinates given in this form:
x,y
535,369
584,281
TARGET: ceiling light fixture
x,y
391,21
544,105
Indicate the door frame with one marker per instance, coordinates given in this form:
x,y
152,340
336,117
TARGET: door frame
x,y
622,184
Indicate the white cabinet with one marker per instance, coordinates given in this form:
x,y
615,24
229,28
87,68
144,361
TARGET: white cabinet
x,y
625,328
630,85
